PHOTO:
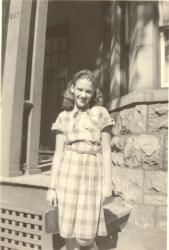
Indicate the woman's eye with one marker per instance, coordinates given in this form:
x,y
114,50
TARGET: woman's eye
x,y
79,90
86,91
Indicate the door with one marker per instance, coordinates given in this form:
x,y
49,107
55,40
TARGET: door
x,y
55,78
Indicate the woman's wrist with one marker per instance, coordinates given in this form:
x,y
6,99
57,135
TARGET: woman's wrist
x,y
107,184
107,191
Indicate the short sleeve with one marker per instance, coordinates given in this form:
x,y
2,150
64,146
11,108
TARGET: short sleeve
x,y
106,120
58,124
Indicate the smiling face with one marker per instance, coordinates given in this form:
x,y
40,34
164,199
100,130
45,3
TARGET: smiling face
x,y
83,92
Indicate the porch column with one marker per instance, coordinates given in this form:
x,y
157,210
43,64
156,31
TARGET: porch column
x,y
115,50
142,67
36,87
14,86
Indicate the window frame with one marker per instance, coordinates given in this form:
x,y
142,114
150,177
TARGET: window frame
x,y
163,83
162,27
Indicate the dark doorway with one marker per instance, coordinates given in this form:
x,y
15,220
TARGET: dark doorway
x,y
55,78
75,40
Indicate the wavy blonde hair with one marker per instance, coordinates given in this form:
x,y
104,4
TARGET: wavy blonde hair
x,y
68,97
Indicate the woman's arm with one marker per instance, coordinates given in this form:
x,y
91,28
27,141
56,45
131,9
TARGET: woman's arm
x,y
59,148
107,162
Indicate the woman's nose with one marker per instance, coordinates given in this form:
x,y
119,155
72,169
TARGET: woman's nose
x,y
83,94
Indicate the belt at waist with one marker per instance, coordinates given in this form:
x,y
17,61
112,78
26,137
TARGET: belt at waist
x,y
83,151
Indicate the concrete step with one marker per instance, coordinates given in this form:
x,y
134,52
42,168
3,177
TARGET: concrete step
x,y
45,166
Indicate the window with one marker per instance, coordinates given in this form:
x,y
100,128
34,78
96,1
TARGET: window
x,y
164,52
55,79
164,42
56,53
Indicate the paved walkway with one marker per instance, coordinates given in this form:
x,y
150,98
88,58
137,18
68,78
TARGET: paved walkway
x,y
131,238
135,238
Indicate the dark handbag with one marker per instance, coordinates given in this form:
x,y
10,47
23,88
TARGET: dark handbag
x,y
51,221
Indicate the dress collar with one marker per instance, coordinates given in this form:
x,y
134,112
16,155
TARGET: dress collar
x,y
77,111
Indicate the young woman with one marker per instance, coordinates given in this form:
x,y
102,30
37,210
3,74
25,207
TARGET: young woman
x,y
81,172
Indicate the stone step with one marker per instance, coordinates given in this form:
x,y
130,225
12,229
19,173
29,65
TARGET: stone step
x,y
45,165
116,215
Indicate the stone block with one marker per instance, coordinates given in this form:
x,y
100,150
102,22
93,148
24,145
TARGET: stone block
x,y
166,153
144,151
128,183
131,120
142,215
148,216
158,117
161,224
162,212
117,144
155,182
155,199
162,218
117,159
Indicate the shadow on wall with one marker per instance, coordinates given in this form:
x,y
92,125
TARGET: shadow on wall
x,y
96,42
128,61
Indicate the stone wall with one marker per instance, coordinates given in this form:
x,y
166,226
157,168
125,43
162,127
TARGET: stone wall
x,y
139,157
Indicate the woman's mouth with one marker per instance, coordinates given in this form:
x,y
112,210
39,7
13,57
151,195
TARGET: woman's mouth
x,y
82,101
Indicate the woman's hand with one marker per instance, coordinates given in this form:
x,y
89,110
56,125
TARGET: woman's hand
x,y
52,197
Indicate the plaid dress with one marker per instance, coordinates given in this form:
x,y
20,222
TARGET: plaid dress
x,y
80,175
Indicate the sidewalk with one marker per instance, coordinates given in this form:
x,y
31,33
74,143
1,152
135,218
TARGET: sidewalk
x,y
135,238
131,238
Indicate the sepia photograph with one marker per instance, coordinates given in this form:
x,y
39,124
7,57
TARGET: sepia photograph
x,y
84,125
